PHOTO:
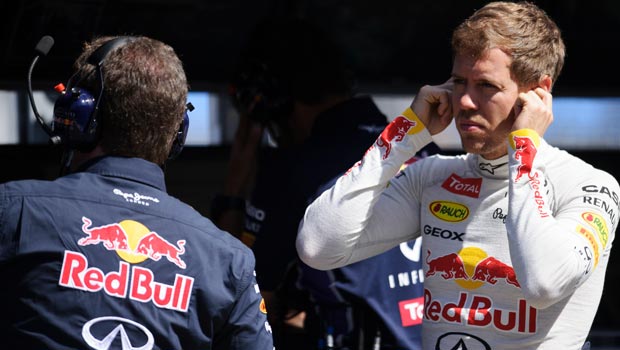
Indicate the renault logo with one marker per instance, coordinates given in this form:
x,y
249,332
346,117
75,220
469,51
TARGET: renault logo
x,y
101,332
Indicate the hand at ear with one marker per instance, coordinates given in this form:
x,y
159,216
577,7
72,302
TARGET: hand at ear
x,y
533,110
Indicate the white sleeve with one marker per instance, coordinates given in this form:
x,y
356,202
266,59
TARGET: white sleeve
x,y
357,217
552,253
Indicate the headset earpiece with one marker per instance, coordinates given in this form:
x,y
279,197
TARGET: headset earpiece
x,y
179,140
73,118
75,110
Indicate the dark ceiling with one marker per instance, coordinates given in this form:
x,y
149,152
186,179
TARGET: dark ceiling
x,y
395,45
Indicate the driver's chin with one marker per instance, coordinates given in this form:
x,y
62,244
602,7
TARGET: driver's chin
x,y
482,148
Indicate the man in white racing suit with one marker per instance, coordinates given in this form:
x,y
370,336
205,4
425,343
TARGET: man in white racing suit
x,y
517,233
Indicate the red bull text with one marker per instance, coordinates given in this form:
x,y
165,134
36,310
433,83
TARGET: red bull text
x,y
134,243
471,268
525,151
479,311
136,283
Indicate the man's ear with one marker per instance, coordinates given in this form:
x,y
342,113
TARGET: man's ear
x,y
545,83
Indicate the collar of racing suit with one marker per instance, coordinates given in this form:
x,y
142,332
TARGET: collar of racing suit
x,y
496,168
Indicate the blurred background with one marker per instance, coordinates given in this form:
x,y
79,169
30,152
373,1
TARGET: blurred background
x,y
394,46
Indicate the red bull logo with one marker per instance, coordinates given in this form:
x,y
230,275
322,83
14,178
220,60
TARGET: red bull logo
x,y
112,236
134,243
395,132
136,283
147,245
479,311
155,246
471,268
525,151
491,269
448,266
525,143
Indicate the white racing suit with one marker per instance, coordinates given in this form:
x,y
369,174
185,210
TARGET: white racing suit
x,y
515,248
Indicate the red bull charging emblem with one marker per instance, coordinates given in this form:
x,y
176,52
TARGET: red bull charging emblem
x,y
142,244
471,268
407,123
525,144
133,243
525,151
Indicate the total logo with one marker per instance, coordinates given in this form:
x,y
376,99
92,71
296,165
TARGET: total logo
x,y
472,268
133,243
411,311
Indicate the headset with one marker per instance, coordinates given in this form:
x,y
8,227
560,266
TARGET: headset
x,y
76,123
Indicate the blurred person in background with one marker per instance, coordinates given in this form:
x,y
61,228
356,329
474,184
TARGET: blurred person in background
x,y
294,89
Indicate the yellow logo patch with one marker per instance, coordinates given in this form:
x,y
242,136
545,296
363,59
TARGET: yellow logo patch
x,y
598,224
449,211
590,237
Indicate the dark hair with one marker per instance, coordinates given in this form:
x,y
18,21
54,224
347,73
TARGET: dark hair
x,y
145,92
522,30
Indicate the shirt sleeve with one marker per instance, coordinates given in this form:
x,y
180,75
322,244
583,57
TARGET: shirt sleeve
x,y
554,252
361,215
248,328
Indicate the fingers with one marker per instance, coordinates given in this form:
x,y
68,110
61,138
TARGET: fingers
x,y
445,104
533,110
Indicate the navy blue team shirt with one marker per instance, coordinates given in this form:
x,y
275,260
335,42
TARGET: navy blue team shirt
x,y
105,259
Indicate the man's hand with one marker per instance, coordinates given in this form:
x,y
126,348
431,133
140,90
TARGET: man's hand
x,y
533,110
433,105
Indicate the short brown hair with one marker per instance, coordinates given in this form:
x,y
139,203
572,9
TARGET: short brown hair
x,y
145,93
521,30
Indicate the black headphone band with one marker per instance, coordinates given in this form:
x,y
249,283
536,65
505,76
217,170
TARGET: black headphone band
x,y
99,55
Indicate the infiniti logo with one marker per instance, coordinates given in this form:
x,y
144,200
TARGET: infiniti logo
x,y
98,326
460,341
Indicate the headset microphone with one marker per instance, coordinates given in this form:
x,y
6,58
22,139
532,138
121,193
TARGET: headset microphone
x,y
43,47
